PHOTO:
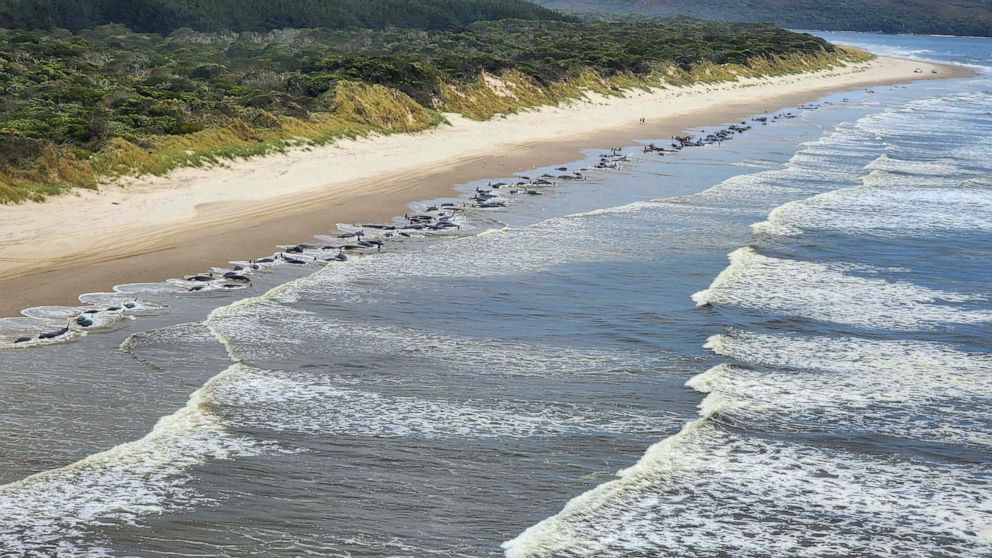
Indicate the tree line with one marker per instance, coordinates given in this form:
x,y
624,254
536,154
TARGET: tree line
x,y
66,98
165,16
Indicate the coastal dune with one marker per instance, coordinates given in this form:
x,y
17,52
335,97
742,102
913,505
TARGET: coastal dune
x,y
151,228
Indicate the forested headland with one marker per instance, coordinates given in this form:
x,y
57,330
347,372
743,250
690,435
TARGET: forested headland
x,y
932,17
165,16
82,106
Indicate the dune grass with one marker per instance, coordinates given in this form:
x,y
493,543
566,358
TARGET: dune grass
x,y
353,108
513,91
358,110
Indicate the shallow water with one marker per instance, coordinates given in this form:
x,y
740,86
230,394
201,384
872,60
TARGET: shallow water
x,y
782,343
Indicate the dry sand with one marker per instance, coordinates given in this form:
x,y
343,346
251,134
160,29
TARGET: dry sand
x,y
152,228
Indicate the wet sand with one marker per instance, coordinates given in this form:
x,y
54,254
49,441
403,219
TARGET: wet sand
x,y
213,233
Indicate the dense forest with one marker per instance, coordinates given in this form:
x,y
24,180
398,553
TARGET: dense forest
x,y
939,17
165,16
79,107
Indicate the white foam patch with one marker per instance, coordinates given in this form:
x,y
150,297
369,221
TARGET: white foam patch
x,y
802,402
925,183
833,161
830,292
56,314
748,193
942,117
126,292
705,492
907,389
626,233
930,365
618,210
270,330
50,513
309,403
915,169
101,309
886,211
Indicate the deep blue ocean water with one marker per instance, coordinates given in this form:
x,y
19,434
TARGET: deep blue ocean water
x,y
782,343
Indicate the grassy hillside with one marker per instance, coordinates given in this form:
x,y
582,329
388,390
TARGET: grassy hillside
x,y
104,102
165,16
948,17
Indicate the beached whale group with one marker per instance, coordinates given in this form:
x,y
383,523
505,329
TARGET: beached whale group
x,y
678,143
364,238
84,320
372,237
359,238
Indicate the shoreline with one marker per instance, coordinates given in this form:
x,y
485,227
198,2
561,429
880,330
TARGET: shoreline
x,y
153,228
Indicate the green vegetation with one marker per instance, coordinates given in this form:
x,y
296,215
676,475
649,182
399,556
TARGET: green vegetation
x,y
937,17
165,16
105,102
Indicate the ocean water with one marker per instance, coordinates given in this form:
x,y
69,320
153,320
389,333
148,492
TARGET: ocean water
x,y
776,346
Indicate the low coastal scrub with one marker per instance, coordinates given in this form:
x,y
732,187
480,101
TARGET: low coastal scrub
x,y
81,108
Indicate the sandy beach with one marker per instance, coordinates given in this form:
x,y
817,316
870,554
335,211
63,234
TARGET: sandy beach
x,y
153,228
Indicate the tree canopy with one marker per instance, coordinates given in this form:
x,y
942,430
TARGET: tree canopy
x,y
107,100
165,16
